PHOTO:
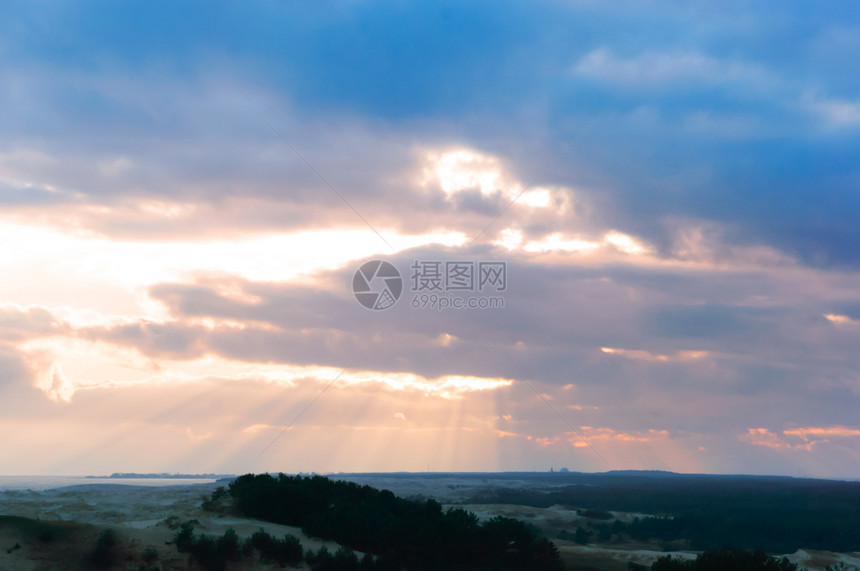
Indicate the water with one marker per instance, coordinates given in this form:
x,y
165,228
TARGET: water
x,y
37,483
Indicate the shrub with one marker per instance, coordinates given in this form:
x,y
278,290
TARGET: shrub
x,y
287,551
150,554
723,559
104,555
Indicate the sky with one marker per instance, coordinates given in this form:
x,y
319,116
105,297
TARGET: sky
x,y
188,190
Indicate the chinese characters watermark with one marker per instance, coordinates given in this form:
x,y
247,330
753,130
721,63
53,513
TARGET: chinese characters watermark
x,y
435,284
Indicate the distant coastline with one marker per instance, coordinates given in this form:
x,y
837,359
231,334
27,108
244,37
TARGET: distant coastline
x,y
162,476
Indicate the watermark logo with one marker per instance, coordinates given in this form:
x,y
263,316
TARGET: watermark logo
x,y
377,285
435,284
431,276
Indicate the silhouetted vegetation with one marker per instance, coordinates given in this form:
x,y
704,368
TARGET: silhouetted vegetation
x,y
775,514
149,555
725,560
218,500
287,551
403,533
214,553
105,553
33,529
344,559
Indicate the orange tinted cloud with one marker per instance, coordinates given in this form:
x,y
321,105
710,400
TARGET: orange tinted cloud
x,y
833,431
607,434
763,437
840,319
811,436
649,356
503,433
589,434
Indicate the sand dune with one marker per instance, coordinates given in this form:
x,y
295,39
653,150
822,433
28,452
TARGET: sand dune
x,y
142,516
148,517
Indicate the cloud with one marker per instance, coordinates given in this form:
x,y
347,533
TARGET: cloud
x,y
19,323
832,431
700,321
837,113
599,436
810,437
652,68
182,288
763,437
648,356
557,319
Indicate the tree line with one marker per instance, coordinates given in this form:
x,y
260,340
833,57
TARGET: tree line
x,y
404,533
774,514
